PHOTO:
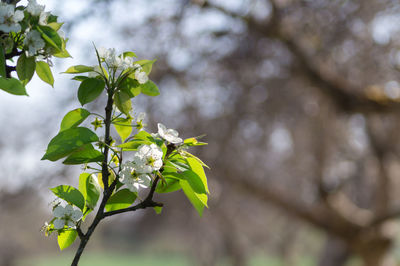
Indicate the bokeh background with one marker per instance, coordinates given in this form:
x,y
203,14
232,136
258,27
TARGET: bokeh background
x,y
300,104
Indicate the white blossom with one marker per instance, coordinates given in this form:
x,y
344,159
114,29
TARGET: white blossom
x,y
141,76
43,18
168,134
9,18
34,42
34,8
133,179
66,216
148,158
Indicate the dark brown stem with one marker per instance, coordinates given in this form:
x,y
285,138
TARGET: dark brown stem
x,y
147,202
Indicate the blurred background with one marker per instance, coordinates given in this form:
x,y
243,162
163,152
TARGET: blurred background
x,y
300,104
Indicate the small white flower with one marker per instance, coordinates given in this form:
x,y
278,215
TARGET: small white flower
x,y
103,52
43,18
148,158
127,63
169,134
34,8
9,18
132,179
66,216
34,42
141,76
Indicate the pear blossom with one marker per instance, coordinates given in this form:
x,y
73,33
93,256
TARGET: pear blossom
x,y
148,158
168,134
34,42
43,18
66,216
34,8
9,18
140,121
132,179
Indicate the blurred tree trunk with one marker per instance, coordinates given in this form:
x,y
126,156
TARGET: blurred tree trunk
x,y
334,253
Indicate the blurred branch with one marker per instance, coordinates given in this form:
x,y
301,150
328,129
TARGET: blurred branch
x,y
382,191
317,215
343,94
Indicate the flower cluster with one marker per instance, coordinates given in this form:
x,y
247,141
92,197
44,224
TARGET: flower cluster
x,y
146,160
66,216
25,23
122,63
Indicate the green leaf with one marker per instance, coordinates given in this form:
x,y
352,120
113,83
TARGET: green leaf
x,y
158,209
66,238
195,182
193,142
84,154
90,89
123,126
121,199
55,25
123,102
90,189
129,54
196,199
2,62
74,118
68,141
150,88
80,78
197,168
79,69
25,68
170,185
44,72
70,195
13,86
146,65
130,86
51,37
140,138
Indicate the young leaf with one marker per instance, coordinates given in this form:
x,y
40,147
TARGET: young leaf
x,y
12,85
158,210
150,88
66,238
170,185
70,195
89,90
25,68
130,86
197,200
74,118
121,199
123,102
44,72
123,126
79,69
195,182
146,65
90,189
129,54
68,141
197,168
193,142
84,154
51,37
